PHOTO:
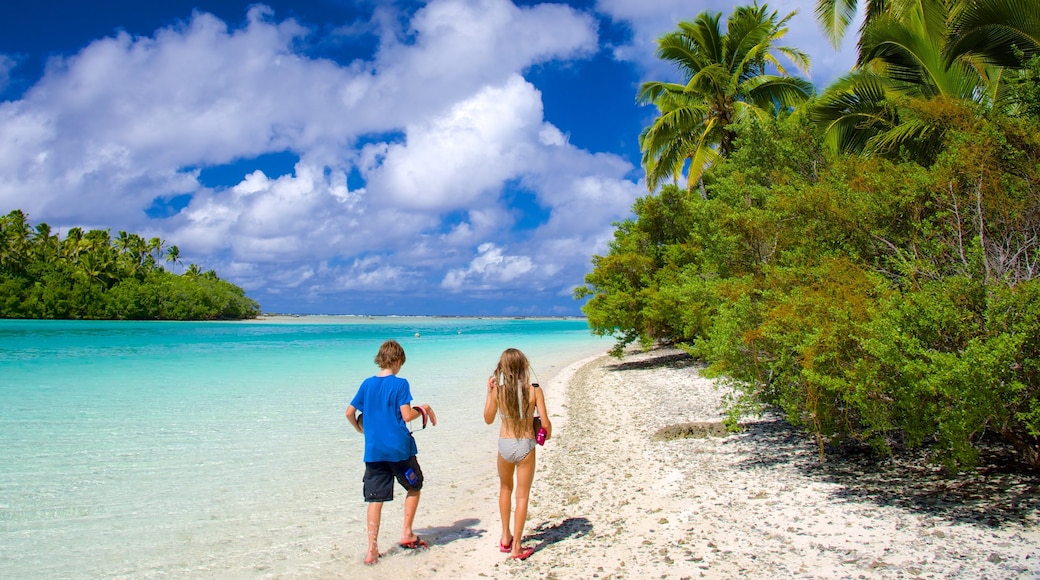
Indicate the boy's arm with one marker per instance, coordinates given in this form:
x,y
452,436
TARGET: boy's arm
x,y
539,401
491,403
410,413
352,417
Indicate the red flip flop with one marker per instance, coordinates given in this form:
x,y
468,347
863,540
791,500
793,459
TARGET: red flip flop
x,y
416,544
504,548
524,553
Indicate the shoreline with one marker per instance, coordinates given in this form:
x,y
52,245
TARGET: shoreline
x,y
357,317
609,501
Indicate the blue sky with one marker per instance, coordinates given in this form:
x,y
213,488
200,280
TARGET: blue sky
x,y
348,157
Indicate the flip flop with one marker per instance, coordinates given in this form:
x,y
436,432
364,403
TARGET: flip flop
x,y
524,553
505,547
416,544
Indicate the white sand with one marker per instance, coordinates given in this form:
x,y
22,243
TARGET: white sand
x,y
609,501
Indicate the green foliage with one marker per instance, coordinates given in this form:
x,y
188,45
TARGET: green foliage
x,y
622,285
1024,89
872,301
93,276
890,298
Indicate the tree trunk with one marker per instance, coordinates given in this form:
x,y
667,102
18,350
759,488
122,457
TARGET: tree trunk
x,y
700,189
1028,447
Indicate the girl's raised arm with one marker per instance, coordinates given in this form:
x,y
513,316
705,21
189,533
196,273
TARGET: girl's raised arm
x,y
491,403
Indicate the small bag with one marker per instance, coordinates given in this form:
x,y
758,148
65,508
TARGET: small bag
x,y
539,431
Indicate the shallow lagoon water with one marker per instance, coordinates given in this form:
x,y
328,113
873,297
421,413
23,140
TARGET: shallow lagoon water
x,y
219,449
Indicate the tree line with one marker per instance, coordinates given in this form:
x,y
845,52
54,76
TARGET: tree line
x,y
91,275
866,259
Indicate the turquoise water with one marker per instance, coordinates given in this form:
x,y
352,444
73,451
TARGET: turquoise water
x,y
162,449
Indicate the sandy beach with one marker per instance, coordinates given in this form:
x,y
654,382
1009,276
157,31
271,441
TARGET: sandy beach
x,y
610,500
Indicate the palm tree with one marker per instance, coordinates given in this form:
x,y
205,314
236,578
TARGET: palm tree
x,y
44,244
71,247
919,51
725,78
123,241
132,250
14,239
173,255
98,257
156,251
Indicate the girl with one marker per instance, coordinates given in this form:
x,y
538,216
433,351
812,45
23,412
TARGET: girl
x,y
511,395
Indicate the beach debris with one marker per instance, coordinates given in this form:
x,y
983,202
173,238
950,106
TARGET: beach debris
x,y
694,430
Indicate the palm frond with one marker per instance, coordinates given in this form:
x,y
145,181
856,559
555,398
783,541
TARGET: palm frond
x,y
704,37
906,134
901,47
714,78
750,32
677,49
703,158
853,110
796,56
651,91
745,111
773,93
993,29
835,16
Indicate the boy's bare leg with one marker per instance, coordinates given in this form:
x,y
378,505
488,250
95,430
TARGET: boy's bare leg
x,y
505,498
375,514
411,504
524,478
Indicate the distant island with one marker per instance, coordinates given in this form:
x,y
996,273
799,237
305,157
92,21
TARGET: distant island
x,y
91,275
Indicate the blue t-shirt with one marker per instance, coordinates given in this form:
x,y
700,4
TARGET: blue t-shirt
x,y
386,434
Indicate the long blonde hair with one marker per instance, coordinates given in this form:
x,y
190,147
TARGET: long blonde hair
x,y
513,375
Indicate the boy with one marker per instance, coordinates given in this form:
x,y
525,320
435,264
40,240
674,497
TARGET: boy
x,y
386,402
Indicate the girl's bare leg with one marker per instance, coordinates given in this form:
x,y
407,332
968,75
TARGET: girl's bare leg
x,y
505,497
524,478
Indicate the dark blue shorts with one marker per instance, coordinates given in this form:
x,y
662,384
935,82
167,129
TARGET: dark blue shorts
x,y
380,475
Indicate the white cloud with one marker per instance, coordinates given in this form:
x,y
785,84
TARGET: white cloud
x,y
129,119
468,43
490,268
450,161
110,128
370,273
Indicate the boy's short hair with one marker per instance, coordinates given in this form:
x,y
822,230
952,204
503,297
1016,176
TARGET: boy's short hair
x,y
390,353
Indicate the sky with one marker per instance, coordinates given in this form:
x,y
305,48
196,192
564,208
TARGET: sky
x,y
449,157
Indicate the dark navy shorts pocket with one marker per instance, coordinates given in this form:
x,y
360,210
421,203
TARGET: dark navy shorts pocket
x,y
379,478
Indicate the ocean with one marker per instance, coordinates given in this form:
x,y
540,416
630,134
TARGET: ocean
x,y
220,449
